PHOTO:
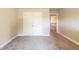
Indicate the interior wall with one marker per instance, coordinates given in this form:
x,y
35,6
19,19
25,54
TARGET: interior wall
x,y
46,19
69,23
8,24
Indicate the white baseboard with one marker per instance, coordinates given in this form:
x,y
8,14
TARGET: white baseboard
x,y
1,46
20,35
68,38
33,35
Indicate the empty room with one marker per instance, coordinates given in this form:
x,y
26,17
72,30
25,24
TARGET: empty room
x,y
39,28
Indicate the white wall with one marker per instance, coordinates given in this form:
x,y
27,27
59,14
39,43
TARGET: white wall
x,y
8,24
46,19
69,23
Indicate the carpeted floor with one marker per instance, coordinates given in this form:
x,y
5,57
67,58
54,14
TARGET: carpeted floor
x,y
52,42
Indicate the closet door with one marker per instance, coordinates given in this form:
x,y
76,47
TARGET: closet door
x,y
37,24
32,24
27,24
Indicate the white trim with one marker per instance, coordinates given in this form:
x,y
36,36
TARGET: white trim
x,y
57,15
57,23
20,35
33,35
5,43
68,38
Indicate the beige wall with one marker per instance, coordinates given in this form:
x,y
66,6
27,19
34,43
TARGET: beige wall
x,y
69,23
46,18
8,24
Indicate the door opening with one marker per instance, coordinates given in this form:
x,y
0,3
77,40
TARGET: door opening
x,y
53,23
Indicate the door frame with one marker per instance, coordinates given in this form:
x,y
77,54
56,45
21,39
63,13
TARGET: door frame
x,y
56,14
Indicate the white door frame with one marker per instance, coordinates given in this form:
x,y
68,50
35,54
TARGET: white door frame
x,y
56,22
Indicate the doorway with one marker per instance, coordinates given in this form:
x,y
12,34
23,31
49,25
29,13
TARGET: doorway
x,y
53,22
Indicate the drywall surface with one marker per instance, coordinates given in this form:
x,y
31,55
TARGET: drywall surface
x,y
69,23
8,24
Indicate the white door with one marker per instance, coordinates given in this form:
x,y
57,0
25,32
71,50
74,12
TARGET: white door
x,y
27,24
37,24
32,24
